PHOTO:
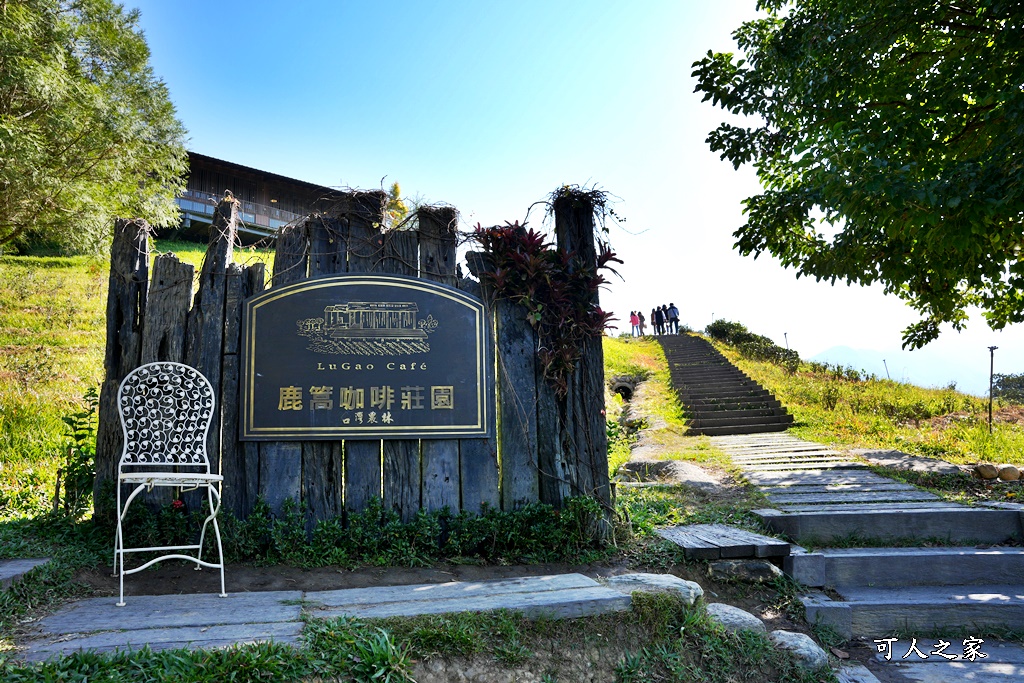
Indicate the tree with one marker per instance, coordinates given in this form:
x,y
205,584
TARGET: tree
x,y
87,133
889,142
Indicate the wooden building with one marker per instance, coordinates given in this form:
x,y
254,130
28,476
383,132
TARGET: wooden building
x,y
268,201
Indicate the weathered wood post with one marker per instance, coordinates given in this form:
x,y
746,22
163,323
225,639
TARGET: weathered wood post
x,y
440,457
126,311
204,343
363,466
478,458
402,476
585,424
163,329
280,462
322,461
240,478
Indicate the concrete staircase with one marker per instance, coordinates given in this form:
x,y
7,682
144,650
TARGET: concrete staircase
x,y
718,396
819,497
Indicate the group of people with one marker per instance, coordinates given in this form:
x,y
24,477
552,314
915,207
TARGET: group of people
x,y
664,320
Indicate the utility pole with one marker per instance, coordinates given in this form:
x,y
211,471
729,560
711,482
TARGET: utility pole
x,y
991,372
786,335
886,369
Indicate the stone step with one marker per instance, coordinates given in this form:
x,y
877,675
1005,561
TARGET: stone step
x,y
819,487
712,383
741,420
884,507
556,597
894,567
747,429
724,394
817,478
799,456
958,525
719,541
848,497
717,404
918,610
11,571
750,412
816,465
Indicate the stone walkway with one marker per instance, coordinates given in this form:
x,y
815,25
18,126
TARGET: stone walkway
x,y
819,495
207,620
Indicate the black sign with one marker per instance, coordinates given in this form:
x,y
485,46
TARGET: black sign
x,y
365,356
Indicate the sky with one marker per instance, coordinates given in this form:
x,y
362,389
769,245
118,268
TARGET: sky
x,y
490,106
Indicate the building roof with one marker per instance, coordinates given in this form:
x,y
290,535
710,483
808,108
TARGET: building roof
x,y
255,171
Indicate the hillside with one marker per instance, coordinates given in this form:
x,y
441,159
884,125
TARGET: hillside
x,y
838,405
52,335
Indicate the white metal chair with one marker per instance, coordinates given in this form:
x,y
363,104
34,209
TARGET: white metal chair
x,y
166,410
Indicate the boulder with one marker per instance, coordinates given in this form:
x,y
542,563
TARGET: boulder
x,y
733,618
1009,473
654,583
986,471
748,571
807,653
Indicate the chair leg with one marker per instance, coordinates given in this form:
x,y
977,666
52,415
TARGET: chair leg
x,y
214,509
119,549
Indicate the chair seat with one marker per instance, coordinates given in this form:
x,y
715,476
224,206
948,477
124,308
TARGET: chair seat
x,y
170,478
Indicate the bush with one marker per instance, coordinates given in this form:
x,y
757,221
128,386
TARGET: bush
x,y
753,346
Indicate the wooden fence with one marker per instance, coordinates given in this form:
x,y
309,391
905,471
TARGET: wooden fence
x,y
545,447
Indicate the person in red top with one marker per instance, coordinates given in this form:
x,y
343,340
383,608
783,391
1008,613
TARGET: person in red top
x,y
635,322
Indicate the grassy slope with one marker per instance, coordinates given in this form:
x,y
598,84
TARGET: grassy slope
x,y
52,335
878,413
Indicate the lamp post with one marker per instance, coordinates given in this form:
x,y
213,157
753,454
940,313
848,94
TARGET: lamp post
x,y
786,335
991,372
886,369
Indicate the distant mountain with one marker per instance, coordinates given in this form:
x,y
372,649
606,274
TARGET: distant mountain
x,y
925,368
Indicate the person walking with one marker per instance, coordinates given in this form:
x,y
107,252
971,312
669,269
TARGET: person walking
x,y
658,318
635,322
673,318
643,322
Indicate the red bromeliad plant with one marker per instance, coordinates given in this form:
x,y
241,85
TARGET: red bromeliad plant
x,y
558,291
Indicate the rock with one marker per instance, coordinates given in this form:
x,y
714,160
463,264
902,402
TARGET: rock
x,y
653,583
733,618
986,471
903,461
808,654
1009,473
749,571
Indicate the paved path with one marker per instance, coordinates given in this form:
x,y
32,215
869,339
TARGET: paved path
x,y
819,494
207,620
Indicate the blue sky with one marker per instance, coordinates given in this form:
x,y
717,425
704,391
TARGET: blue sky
x,y
491,106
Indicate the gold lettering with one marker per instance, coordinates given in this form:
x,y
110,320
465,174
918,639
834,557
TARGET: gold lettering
x,y
345,366
391,366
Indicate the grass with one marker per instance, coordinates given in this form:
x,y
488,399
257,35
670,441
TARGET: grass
x,y
52,336
883,414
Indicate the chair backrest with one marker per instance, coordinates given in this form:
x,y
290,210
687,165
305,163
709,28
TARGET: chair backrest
x,y
166,410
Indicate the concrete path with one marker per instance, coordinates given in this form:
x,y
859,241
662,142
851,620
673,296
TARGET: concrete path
x,y
207,620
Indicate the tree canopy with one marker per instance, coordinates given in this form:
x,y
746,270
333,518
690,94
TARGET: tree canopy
x,y
888,136
87,132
